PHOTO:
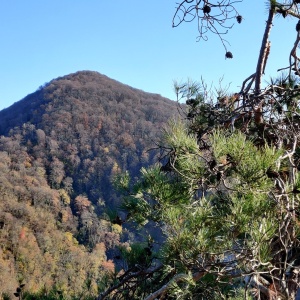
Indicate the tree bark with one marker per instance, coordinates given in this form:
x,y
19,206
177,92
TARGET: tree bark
x,y
263,51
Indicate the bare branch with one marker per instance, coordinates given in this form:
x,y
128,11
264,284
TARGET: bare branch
x,y
211,17
262,59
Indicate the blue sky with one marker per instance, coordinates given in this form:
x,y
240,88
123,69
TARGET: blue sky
x,y
131,41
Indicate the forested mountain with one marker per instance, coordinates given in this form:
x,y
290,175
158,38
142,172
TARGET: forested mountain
x,y
60,147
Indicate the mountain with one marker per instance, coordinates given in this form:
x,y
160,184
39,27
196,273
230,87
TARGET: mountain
x,y
60,148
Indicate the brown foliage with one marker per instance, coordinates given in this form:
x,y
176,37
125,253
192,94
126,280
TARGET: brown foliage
x,y
60,147
74,119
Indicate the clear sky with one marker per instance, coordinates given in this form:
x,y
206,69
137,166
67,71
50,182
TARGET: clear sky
x,y
131,41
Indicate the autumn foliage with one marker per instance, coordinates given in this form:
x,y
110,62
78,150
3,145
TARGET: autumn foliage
x,y
59,149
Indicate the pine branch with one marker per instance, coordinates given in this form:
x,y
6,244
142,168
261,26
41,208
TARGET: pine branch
x,y
125,280
175,279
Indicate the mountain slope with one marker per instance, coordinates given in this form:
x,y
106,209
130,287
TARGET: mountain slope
x,y
91,123
60,147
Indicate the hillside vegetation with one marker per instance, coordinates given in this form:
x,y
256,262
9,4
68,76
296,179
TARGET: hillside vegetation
x,y
60,147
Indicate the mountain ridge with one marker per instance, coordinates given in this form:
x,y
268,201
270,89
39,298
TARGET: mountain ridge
x,y
37,98
60,148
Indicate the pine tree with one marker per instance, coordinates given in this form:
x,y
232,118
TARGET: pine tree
x,y
226,191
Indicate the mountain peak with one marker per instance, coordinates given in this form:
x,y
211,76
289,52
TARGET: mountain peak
x,y
80,88
60,148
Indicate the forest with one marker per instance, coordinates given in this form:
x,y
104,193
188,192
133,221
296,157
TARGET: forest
x,y
60,148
